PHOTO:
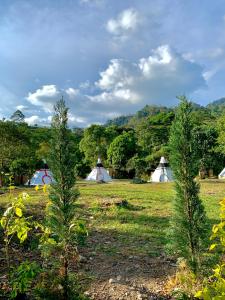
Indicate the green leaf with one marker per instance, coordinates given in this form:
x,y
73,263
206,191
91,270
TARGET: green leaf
x,y
212,247
19,212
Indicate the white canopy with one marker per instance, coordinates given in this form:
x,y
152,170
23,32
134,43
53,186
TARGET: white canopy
x,y
222,174
99,173
163,172
41,177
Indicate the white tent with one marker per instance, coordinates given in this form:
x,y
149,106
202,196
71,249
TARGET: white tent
x,y
222,174
163,172
41,177
99,173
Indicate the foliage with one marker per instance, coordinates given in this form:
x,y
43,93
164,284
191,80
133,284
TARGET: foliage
x,y
188,222
153,132
17,116
95,142
221,134
63,196
206,144
119,121
22,278
217,107
14,223
184,284
15,145
214,287
137,164
122,149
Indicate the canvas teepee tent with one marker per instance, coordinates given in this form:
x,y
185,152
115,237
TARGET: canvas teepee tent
x,y
163,172
99,173
41,177
222,174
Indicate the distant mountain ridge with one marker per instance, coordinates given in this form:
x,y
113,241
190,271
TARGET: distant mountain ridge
x,y
216,108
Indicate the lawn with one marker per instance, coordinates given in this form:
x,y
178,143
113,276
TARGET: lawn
x,y
126,242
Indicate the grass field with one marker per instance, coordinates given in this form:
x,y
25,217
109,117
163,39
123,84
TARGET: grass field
x,y
129,240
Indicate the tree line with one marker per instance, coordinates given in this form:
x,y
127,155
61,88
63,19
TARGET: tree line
x,y
132,149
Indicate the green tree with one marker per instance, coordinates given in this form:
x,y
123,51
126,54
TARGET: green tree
x,y
188,222
15,144
95,142
17,116
221,134
206,141
153,132
122,149
63,195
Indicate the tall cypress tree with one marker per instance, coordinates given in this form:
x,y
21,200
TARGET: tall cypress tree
x,y
188,223
63,194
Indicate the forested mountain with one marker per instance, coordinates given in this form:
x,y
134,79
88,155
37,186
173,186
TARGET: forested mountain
x,y
217,107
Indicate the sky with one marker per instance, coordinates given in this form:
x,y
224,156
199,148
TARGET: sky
x,y
108,57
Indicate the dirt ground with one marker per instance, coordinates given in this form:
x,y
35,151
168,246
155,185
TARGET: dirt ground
x,y
121,276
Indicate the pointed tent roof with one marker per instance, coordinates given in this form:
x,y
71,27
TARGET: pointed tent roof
x,y
222,174
163,172
99,173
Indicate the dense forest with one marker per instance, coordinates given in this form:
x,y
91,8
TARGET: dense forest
x,y
130,146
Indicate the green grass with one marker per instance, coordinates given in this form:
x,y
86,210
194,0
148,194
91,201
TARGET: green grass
x,y
138,229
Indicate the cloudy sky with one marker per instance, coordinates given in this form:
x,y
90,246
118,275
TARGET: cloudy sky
x,y
108,57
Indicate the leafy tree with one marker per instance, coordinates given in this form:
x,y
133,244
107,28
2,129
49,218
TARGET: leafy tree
x,y
153,132
188,223
43,150
17,116
206,145
63,195
121,150
137,164
119,121
15,144
221,134
95,142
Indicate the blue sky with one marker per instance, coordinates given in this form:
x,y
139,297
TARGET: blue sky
x,y
108,57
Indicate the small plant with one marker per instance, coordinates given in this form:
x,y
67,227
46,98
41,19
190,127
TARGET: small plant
x,y
184,284
63,229
214,286
137,180
22,278
15,224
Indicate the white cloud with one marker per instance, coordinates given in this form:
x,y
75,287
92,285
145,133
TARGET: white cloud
x,y
126,22
74,119
32,120
71,92
44,97
92,2
21,107
155,79
124,87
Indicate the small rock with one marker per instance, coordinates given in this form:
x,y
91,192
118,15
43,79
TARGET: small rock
x,y
119,277
139,296
87,293
111,280
82,259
